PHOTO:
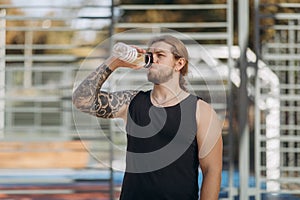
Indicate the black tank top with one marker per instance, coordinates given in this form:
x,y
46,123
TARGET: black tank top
x,y
162,153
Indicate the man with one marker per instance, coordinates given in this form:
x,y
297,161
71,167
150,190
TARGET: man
x,y
170,132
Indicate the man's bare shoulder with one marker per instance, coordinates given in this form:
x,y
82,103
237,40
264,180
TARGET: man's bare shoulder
x,y
204,107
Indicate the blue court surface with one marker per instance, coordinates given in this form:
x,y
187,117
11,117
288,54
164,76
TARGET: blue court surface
x,y
21,178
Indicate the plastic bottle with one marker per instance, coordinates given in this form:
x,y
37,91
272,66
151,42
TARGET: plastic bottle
x,y
130,54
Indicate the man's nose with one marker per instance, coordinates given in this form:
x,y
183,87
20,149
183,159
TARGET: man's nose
x,y
155,58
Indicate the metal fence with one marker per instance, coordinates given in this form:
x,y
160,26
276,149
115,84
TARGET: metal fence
x,y
47,48
43,45
40,70
277,100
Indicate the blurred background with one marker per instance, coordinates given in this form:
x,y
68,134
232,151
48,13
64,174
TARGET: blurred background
x,y
244,61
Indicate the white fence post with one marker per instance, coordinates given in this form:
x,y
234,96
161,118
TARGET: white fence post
x,y
2,70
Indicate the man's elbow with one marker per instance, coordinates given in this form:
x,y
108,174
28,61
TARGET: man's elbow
x,y
81,104
75,101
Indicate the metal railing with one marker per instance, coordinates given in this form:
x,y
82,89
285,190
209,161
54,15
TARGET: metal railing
x,y
46,45
39,78
277,144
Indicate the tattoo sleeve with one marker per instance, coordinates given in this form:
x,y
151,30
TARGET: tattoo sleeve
x,y
89,98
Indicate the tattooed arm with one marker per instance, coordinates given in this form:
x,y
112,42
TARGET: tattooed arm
x,y
89,98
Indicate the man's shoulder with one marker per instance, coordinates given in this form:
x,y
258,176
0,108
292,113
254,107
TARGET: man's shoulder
x,y
204,107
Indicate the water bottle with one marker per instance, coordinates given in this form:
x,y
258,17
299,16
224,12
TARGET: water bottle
x,y
131,55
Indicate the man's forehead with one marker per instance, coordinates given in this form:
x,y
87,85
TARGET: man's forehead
x,y
160,47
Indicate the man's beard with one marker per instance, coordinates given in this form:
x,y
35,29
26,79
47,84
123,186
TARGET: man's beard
x,y
158,77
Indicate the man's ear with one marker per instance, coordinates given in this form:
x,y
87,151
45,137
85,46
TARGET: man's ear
x,y
180,64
